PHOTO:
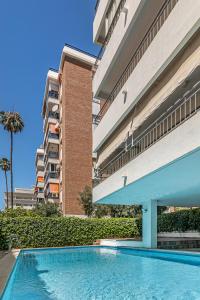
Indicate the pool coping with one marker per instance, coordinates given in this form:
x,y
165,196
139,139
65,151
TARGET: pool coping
x,y
7,263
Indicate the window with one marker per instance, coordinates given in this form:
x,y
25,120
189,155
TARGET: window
x,y
52,167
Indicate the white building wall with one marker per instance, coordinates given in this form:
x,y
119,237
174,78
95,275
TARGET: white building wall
x,y
180,141
115,40
172,36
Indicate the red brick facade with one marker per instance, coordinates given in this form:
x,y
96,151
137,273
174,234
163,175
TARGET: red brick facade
x,y
76,133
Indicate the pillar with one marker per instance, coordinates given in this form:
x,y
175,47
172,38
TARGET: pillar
x,y
149,224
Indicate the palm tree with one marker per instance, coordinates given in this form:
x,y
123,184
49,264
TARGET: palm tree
x,y
5,166
13,123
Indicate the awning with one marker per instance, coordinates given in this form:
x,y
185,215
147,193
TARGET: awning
x,y
53,128
54,187
40,179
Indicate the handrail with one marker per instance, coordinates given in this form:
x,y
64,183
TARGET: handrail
x,y
170,120
110,31
145,43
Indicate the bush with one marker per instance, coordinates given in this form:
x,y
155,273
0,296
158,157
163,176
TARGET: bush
x,y
41,210
182,220
56,232
32,232
17,212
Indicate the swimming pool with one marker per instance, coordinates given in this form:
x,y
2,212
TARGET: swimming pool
x,y
97,273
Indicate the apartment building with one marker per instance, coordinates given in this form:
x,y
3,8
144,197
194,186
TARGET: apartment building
x,y
51,116
147,141
67,114
39,166
22,197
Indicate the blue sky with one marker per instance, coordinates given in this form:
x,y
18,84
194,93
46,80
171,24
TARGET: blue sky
x,y
32,35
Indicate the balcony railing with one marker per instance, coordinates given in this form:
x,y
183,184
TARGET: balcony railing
x,y
51,154
51,175
53,115
52,196
169,121
53,136
53,94
144,45
110,30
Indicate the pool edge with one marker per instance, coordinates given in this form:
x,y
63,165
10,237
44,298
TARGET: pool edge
x,y
7,264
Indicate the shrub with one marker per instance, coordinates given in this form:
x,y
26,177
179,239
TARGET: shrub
x,y
47,210
32,232
41,209
17,212
182,220
57,232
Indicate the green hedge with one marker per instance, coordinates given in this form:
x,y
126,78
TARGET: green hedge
x,y
182,220
56,232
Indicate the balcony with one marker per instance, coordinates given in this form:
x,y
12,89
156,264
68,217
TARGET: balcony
x,y
52,177
105,21
53,115
52,135
52,197
156,52
40,173
52,138
132,25
50,117
39,164
178,128
53,94
51,156
139,52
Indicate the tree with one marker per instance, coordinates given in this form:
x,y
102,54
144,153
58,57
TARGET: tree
x,y
47,210
5,166
86,200
124,211
13,123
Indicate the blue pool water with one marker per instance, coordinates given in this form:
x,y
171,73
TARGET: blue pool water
x,y
102,273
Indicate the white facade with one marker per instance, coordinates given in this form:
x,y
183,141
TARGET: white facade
x,y
22,197
148,82
39,167
51,143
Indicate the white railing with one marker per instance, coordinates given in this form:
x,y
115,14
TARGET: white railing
x,y
170,120
144,45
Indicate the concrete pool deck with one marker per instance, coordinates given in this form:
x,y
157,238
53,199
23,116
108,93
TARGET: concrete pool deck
x,y
7,260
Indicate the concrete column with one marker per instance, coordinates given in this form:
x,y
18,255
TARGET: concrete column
x,y
149,224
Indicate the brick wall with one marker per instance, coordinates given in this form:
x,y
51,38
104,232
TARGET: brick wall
x,y
76,133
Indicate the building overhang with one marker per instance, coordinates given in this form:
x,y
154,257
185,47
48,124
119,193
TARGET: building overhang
x,y
175,184
77,54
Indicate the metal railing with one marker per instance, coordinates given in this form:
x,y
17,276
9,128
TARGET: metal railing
x,y
51,154
110,30
52,135
53,115
52,195
51,175
53,94
145,43
157,130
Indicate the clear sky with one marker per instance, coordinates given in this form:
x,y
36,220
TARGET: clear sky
x,y
32,35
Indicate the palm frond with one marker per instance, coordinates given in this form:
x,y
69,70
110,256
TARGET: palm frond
x,y
12,122
4,164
